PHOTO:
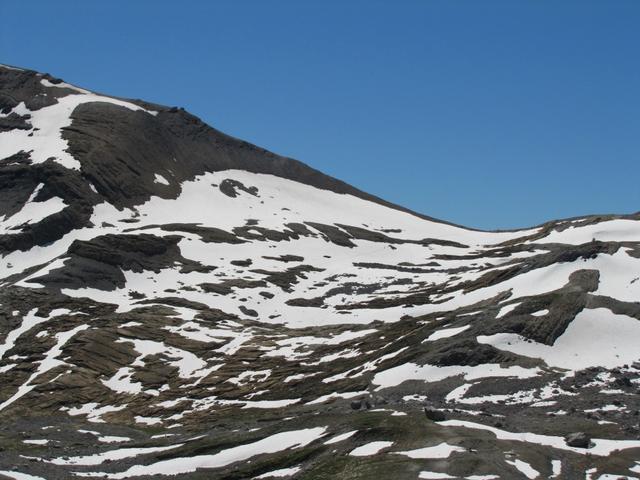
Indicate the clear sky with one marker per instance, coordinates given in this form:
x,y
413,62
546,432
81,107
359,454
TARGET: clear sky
x,y
492,114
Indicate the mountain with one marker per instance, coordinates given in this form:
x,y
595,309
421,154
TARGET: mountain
x,y
178,303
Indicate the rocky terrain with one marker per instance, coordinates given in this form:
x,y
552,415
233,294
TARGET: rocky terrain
x,y
178,303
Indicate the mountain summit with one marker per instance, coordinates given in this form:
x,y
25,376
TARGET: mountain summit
x,y
178,303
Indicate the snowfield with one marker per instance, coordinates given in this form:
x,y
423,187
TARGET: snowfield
x,y
178,303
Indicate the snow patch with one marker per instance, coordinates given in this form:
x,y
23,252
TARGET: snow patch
x,y
596,337
370,449
446,333
160,179
443,450
272,444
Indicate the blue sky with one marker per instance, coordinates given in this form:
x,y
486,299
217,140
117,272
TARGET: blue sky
x,y
492,114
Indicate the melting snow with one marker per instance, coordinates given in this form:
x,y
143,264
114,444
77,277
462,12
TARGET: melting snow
x,y
433,475
341,437
443,450
433,373
596,337
509,308
602,447
613,230
283,472
46,138
31,212
110,456
274,443
19,476
524,468
370,449
161,180
446,333
335,395
36,442
49,362
93,413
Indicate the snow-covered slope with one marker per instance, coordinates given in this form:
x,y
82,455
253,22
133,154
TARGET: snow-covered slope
x,y
178,302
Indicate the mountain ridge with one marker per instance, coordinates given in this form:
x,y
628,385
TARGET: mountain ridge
x,y
322,180
279,165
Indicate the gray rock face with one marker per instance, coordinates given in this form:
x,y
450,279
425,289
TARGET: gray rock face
x,y
434,414
184,303
578,440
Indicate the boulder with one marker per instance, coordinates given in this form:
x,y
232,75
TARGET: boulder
x,y
360,403
434,414
578,440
